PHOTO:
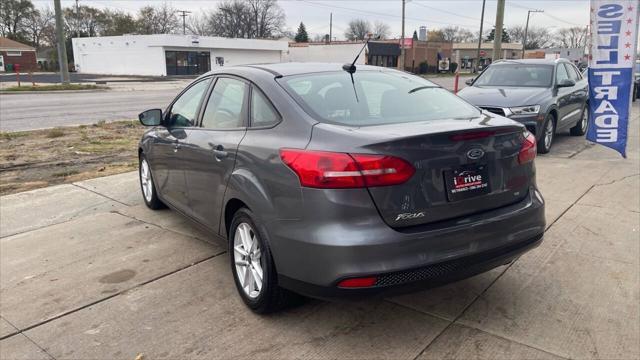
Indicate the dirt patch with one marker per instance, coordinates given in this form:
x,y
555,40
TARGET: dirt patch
x,y
35,159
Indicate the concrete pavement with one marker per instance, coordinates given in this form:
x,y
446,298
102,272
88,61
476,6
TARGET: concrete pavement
x,y
87,271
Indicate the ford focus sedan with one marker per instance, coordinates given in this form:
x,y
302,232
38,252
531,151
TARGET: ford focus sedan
x,y
342,184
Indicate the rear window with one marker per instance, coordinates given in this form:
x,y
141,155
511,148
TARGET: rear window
x,y
374,97
519,75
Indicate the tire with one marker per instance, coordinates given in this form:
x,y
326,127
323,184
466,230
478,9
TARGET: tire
x,y
147,185
548,130
261,296
583,124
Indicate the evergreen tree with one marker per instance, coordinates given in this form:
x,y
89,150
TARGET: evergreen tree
x,y
505,35
415,35
302,35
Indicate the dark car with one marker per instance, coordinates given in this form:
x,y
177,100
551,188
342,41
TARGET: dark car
x,y
546,96
335,184
636,81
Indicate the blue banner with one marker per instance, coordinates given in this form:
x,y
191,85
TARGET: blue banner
x,y
613,36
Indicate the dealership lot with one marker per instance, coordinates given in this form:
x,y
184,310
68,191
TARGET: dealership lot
x,y
87,271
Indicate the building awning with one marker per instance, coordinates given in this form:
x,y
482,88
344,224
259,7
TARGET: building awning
x,y
384,49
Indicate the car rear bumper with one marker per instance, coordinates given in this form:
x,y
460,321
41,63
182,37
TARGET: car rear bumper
x,y
421,278
313,256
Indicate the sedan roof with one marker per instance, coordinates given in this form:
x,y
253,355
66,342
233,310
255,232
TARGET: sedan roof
x,y
294,68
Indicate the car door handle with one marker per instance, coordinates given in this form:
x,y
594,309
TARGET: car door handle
x,y
219,152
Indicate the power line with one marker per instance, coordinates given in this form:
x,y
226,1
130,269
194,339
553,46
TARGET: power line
x,y
184,14
546,14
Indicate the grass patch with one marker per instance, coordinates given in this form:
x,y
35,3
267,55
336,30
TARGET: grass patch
x,y
12,135
55,133
56,87
48,157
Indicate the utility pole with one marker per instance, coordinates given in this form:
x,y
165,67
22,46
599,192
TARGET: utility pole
x,y
497,38
401,62
330,27
480,37
78,20
62,48
184,20
526,29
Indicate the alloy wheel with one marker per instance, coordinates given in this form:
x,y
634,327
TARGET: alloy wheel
x,y
248,260
548,134
146,181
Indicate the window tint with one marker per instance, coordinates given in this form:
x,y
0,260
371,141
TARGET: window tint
x,y
185,109
573,73
226,106
513,74
561,74
375,97
262,113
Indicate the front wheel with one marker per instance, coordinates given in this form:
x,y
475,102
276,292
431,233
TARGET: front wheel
x,y
548,134
582,125
147,185
252,266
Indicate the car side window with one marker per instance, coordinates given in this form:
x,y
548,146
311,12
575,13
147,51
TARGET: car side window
x,y
184,111
262,112
226,107
573,73
561,73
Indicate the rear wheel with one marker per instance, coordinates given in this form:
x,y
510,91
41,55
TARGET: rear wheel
x,y
581,127
548,134
252,266
147,185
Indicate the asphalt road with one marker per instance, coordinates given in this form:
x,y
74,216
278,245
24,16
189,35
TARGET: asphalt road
x,y
19,112
29,111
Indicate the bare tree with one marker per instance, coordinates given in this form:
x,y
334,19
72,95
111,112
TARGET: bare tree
x,y
13,17
232,19
456,34
118,23
158,20
358,29
537,37
573,37
37,24
435,35
267,17
85,21
381,30
198,24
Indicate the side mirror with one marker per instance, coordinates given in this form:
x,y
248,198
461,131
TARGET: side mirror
x,y
566,83
470,81
151,117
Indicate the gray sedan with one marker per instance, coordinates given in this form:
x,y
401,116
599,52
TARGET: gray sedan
x,y
334,182
546,96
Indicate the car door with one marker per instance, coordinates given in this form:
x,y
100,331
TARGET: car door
x,y
579,94
564,96
167,165
210,149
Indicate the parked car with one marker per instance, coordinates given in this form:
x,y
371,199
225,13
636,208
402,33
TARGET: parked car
x,y
546,96
337,184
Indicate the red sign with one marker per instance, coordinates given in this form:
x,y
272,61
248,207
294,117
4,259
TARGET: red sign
x,y
408,42
482,53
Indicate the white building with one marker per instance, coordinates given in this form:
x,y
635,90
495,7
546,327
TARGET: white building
x,y
335,52
166,54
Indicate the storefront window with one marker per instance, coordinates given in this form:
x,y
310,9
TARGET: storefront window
x,y
187,62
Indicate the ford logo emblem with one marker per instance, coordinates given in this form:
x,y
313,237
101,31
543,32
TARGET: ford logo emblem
x,y
475,154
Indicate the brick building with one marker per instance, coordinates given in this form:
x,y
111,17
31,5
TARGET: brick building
x,y
15,53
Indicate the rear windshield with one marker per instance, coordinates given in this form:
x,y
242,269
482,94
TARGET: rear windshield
x,y
520,75
375,97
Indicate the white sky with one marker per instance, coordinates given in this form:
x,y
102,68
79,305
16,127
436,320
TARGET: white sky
x,y
431,13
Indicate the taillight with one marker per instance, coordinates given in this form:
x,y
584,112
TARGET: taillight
x,y
528,149
333,170
358,282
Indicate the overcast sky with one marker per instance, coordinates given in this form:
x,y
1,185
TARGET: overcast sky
x,y
430,13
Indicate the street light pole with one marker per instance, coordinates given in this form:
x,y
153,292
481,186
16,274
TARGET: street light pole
x,y
497,38
526,29
480,37
62,48
401,64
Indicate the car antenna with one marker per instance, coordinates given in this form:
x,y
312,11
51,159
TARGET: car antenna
x,y
351,68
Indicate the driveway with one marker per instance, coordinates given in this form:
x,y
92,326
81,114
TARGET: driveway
x,y
87,271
